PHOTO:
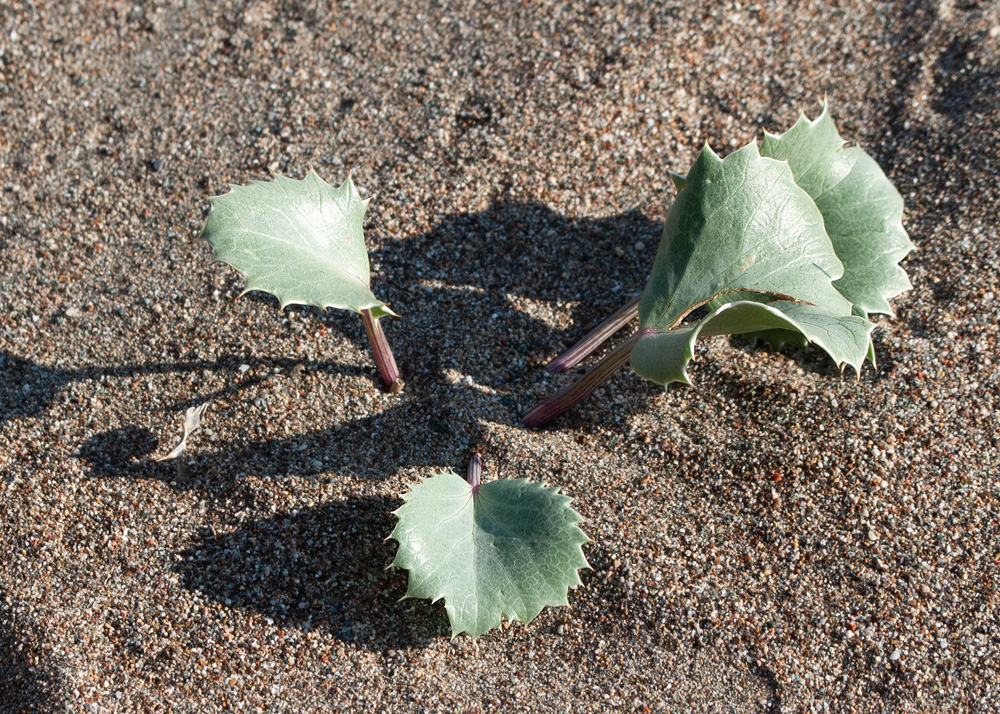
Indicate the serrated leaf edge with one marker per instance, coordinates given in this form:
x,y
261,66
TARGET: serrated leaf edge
x,y
379,309
690,356
562,500
903,283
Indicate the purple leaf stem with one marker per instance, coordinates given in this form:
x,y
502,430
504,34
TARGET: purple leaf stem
x,y
475,472
387,368
595,338
546,411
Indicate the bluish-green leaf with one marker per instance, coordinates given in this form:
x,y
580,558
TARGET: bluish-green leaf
x,y
663,357
300,240
797,242
862,210
507,549
740,224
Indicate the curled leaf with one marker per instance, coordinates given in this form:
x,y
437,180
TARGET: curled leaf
x,y
814,241
663,357
798,241
192,422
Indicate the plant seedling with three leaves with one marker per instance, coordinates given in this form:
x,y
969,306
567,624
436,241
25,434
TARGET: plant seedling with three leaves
x,y
798,241
303,242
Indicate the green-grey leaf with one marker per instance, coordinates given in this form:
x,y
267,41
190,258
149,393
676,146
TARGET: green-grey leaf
x,y
777,338
300,240
740,224
663,357
862,210
737,296
507,549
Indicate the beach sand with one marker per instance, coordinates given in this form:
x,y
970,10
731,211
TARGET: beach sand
x,y
780,537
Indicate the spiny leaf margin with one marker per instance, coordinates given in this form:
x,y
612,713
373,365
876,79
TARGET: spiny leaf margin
x,y
537,565
314,255
862,211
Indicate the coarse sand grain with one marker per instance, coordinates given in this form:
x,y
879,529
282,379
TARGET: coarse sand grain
x,y
778,538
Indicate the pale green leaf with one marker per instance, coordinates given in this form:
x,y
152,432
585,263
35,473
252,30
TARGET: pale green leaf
x,y
506,549
777,338
663,357
740,224
862,210
300,240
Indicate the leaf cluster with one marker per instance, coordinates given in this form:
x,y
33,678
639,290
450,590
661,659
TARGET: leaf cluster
x,y
796,241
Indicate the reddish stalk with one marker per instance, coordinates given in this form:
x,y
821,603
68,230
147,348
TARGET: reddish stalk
x,y
475,475
387,368
595,338
546,411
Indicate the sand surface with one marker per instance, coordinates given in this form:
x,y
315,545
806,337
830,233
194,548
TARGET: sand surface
x,y
779,538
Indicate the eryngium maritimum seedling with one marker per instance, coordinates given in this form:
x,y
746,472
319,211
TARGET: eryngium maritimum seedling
x,y
797,241
303,242
504,548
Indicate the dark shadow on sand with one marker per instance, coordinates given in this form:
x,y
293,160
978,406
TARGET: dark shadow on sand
x,y
27,685
456,288
368,448
28,388
323,567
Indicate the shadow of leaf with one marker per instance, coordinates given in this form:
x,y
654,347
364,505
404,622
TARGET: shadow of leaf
x,y
964,84
119,451
28,388
322,567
